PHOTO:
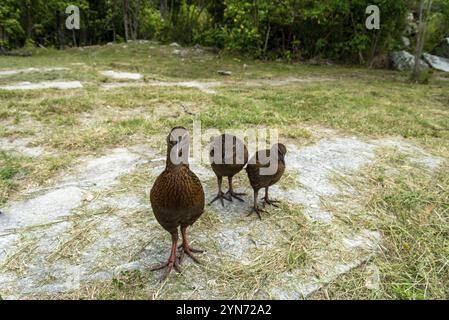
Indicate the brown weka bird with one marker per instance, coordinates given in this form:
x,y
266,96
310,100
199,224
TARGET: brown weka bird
x,y
262,175
228,156
177,197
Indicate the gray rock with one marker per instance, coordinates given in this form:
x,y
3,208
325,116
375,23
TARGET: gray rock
x,y
60,244
175,45
197,49
403,61
224,72
61,85
437,63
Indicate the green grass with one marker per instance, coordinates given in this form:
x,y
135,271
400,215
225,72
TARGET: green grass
x,y
11,168
416,265
412,205
17,172
369,102
411,210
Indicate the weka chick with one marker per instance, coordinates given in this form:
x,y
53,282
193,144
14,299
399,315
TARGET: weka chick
x,y
177,197
228,156
260,179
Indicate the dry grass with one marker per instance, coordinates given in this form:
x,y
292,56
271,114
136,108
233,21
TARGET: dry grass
x,y
409,205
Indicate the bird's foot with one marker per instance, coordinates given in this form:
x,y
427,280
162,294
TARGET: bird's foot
x,y
232,194
258,211
187,250
220,196
269,202
168,268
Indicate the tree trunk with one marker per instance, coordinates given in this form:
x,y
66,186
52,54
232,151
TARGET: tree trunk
x,y
74,38
60,30
126,18
374,48
84,32
421,37
256,13
283,39
135,20
172,10
194,20
29,21
163,9
267,37
2,39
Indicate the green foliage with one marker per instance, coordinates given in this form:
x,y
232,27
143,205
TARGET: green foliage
x,y
192,23
302,28
292,29
424,76
438,24
242,31
152,25
10,28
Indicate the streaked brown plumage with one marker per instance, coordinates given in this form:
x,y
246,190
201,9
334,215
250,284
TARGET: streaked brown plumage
x,y
177,197
232,156
258,181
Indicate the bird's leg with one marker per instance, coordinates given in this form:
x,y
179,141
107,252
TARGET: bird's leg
x,y
256,207
172,262
233,194
220,196
186,249
266,200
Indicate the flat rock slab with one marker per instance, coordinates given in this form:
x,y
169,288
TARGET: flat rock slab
x,y
62,85
29,70
203,86
315,165
20,146
280,82
88,227
57,201
209,86
438,63
121,75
